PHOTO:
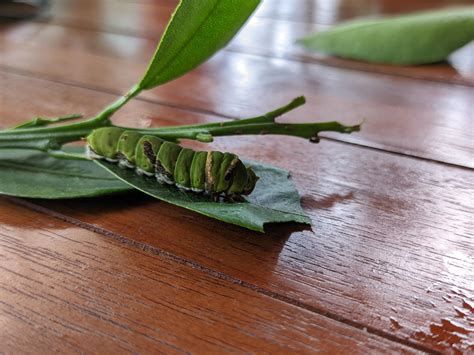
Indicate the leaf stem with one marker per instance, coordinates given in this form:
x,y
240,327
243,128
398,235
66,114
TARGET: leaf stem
x,y
105,115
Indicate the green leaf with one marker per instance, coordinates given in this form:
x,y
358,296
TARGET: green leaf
x,y
274,199
419,38
195,32
29,173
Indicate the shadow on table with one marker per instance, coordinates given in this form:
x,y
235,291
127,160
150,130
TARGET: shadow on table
x,y
187,235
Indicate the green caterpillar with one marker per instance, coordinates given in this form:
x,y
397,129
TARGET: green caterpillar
x,y
214,173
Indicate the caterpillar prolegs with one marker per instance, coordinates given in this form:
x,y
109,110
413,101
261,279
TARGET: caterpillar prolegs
x,y
214,173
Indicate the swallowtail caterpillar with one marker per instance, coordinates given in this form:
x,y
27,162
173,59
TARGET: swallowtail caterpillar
x,y
213,173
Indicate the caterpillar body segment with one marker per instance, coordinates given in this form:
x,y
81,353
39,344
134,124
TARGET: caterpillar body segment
x,y
197,173
145,154
182,176
165,162
126,149
213,172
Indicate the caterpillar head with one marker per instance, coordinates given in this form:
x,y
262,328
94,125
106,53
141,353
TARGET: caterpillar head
x,y
252,179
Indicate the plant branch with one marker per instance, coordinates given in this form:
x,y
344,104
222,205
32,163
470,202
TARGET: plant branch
x,y
52,138
41,122
264,124
47,138
205,134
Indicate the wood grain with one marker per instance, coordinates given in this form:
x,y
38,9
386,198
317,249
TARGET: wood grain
x,y
326,12
425,119
314,11
272,31
305,11
67,290
50,99
390,241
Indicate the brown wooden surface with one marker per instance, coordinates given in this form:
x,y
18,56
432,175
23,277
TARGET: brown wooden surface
x,y
68,290
387,266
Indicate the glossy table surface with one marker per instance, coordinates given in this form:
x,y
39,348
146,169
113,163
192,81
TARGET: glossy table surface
x,y
387,267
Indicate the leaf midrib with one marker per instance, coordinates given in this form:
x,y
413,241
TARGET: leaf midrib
x,y
185,44
48,171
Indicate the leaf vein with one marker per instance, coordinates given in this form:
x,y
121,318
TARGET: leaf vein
x,y
13,165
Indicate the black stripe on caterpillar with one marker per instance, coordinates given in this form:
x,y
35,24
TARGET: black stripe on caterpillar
x,y
213,172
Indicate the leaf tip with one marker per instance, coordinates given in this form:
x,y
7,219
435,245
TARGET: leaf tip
x,y
300,100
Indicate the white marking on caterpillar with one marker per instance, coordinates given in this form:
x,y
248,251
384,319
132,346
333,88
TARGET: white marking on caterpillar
x,y
163,179
184,188
125,164
143,172
91,154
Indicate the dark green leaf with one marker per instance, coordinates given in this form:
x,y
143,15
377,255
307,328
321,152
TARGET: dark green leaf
x,y
419,38
274,199
196,31
29,173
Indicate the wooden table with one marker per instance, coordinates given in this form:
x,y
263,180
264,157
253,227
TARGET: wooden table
x,y
387,267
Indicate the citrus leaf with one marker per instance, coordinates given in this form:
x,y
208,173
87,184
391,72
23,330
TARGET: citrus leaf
x,y
195,32
275,199
419,38
30,173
